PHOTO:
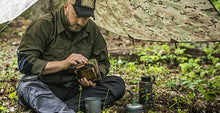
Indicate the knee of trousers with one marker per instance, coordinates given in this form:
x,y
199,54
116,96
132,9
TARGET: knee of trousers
x,y
37,95
116,86
29,90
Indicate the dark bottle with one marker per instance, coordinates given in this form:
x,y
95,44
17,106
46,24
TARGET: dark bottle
x,y
145,90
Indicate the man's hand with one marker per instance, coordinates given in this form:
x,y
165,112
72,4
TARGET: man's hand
x,y
74,59
55,66
86,83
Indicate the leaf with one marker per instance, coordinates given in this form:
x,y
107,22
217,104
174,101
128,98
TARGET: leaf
x,y
192,95
3,109
201,89
120,62
13,96
133,81
203,73
20,34
185,82
191,86
210,96
80,88
179,51
175,99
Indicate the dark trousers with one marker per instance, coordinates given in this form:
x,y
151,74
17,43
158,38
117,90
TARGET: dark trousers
x,y
50,98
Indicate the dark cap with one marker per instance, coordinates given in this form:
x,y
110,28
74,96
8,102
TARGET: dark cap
x,y
84,8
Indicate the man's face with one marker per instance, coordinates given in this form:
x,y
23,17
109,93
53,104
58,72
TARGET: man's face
x,y
75,23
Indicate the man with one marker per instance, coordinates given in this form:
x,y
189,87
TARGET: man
x,y
50,46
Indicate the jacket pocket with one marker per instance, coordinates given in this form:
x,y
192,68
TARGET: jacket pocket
x,y
85,51
55,53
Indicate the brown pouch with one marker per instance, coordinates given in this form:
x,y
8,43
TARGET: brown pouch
x,y
89,70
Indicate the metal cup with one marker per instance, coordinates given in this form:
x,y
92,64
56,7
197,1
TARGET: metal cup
x,y
93,105
134,108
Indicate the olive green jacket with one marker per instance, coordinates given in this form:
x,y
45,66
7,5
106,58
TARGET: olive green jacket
x,y
47,39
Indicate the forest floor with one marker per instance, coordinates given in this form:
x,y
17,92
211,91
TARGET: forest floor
x,y
169,97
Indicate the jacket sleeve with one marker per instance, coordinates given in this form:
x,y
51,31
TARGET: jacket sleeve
x,y
100,51
32,47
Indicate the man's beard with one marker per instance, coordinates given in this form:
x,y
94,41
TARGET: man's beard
x,y
79,28
74,27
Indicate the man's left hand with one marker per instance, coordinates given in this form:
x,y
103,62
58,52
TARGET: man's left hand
x,y
86,83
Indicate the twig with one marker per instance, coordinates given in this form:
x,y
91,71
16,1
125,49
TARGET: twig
x,y
5,26
80,94
105,99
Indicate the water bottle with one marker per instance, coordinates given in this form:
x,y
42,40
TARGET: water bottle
x,y
145,90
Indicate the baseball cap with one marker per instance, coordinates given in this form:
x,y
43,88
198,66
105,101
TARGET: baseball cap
x,y
84,8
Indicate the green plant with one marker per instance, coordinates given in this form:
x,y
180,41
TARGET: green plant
x,y
210,96
3,109
13,96
80,95
180,100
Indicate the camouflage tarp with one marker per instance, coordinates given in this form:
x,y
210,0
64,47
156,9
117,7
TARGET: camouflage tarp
x,y
160,20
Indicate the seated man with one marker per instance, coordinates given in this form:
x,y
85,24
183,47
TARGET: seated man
x,y
50,46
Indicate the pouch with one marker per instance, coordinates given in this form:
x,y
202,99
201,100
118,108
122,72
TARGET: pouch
x,y
89,70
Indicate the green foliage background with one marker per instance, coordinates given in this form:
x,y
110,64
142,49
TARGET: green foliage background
x,y
190,81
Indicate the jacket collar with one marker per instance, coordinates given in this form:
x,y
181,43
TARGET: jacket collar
x,y
62,26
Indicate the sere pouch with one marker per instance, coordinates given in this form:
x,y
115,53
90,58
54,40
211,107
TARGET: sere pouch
x,y
89,70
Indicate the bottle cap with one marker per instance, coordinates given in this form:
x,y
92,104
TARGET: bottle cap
x,y
146,79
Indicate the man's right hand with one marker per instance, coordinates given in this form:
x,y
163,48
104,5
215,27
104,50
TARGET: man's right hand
x,y
55,66
73,59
